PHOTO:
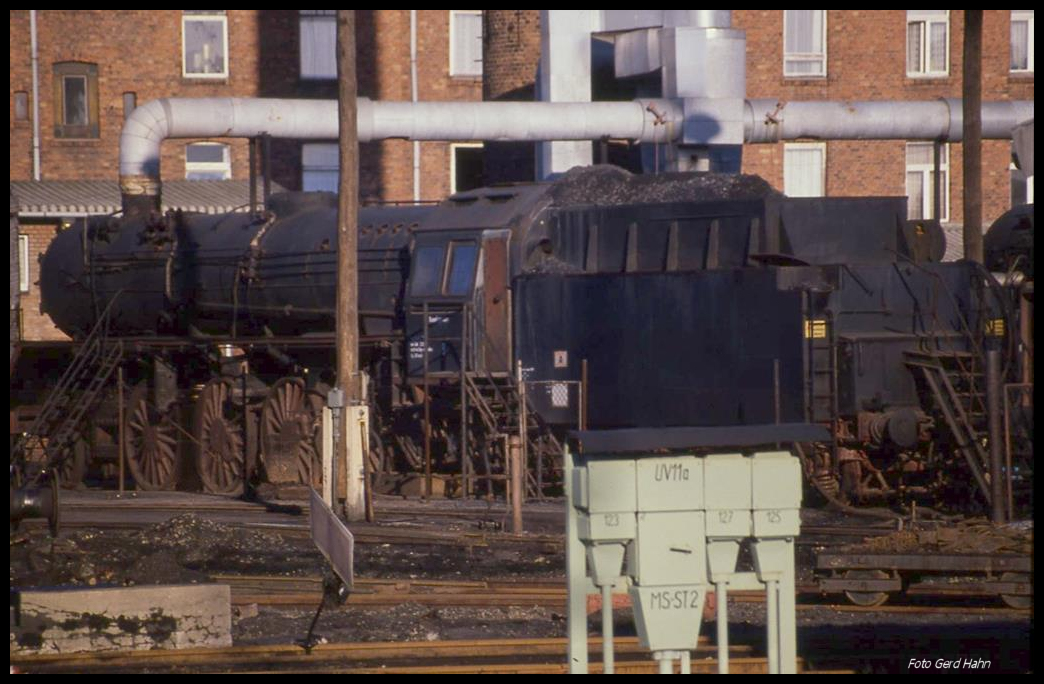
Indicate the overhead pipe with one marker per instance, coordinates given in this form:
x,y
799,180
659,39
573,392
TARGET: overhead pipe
x,y
149,125
769,121
639,120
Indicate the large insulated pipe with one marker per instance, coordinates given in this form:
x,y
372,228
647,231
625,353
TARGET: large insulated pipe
x,y
519,121
150,124
639,120
769,121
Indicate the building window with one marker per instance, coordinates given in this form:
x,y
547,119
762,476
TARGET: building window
x,y
1021,184
804,169
76,100
920,181
1021,187
465,42
804,43
21,106
23,263
205,41
207,161
320,168
318,44
466,167
130,103
1022,41
927,43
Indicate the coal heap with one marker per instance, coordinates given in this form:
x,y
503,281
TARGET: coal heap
x,y
606,185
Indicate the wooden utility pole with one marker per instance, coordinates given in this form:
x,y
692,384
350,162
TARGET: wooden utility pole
x,y
347,314
972,135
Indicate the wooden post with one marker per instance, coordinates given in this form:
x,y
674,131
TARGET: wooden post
x,y
347,315
994,413
518,478
120,422
972,135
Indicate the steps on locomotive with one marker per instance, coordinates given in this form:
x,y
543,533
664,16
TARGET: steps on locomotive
x,y
954,379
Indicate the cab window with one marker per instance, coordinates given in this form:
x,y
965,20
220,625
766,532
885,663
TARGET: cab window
x,y
461,268
427,271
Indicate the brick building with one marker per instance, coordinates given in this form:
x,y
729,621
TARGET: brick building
x,y
834,55
95,66
121,58
882,55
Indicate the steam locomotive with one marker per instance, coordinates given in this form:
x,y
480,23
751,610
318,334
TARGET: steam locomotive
x,y
599,299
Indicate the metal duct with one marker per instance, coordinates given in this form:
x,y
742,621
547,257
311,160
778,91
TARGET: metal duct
x,y
640,120
769,121
517,121
150,124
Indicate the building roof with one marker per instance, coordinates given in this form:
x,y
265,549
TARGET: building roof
x,y
102,197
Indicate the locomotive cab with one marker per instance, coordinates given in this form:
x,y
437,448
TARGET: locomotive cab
x,y
444,278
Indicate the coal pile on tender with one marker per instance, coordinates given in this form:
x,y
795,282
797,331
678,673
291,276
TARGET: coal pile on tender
x,y
611,185
977,535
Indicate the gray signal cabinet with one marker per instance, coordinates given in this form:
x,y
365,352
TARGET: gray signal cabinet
x,y
667,529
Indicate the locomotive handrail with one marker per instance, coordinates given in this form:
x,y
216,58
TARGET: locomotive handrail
x,y
49,416
977,351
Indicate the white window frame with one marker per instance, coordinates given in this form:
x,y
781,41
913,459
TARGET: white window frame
x,y
316,16
1026,16
187,16
808,57
919,17
816,146
928,171
224,167
453,43
23,263
324,169
453,161
1016,174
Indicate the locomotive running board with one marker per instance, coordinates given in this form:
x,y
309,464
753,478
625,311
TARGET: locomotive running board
x,y
334,540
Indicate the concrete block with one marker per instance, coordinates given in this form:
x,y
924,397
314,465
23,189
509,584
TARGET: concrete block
x,y
121,619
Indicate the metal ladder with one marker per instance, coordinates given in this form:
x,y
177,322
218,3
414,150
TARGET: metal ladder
x,y
54,429
498,400
963,411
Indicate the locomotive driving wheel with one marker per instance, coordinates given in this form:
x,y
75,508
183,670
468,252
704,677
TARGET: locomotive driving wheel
x,y
221,461
290,431
151,443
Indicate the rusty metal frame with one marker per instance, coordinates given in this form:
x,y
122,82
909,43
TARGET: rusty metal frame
x,y
1009,389
924,562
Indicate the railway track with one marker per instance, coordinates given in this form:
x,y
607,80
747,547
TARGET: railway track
x,y
485,656
307,591
397,523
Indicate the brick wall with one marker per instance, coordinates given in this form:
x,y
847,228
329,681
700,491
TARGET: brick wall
x,y
35,324
511,55
866,60
391,162
140,51
136,51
